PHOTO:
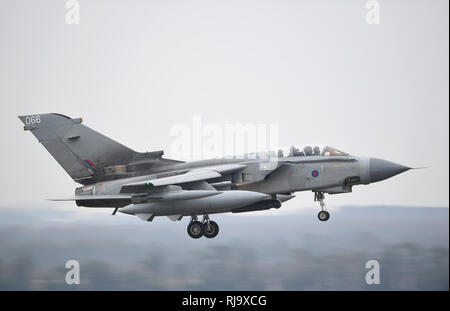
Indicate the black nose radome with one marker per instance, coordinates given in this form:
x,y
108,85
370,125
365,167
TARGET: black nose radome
x,y
380,169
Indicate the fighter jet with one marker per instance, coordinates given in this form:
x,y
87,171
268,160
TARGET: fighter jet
x,y
148,185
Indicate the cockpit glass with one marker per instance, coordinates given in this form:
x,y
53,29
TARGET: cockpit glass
x,y
308,151
297,151
328,151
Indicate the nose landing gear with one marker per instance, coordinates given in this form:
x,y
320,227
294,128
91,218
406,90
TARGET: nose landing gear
x,y
206,227
323,214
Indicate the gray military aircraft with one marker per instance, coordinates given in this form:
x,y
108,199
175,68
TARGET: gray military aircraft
x,y
147,185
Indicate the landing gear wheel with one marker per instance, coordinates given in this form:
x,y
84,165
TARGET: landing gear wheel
x,y
323,216
195,229
212,231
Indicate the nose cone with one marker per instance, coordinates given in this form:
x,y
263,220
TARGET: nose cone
x,y
380,169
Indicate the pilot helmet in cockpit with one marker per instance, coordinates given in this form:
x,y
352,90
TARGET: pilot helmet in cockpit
x,y
308,151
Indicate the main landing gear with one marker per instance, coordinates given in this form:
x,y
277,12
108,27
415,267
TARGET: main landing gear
x,y
323,214
208,228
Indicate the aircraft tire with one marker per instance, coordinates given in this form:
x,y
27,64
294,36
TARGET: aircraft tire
x,y
214,229
323,216
195,229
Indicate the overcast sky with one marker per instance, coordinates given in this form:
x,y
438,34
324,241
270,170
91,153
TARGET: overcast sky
x,y
133,69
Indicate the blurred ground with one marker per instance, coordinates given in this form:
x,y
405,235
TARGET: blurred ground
x,y
291,251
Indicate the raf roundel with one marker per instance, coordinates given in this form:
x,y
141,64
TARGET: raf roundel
x,y
315,173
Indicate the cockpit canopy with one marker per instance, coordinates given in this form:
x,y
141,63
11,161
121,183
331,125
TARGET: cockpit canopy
x,y
309,150
296,151
301,151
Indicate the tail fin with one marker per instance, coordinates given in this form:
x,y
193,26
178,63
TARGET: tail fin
x,y
83,153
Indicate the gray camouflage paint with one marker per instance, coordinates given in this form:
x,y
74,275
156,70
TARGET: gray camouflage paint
x,y
106,169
